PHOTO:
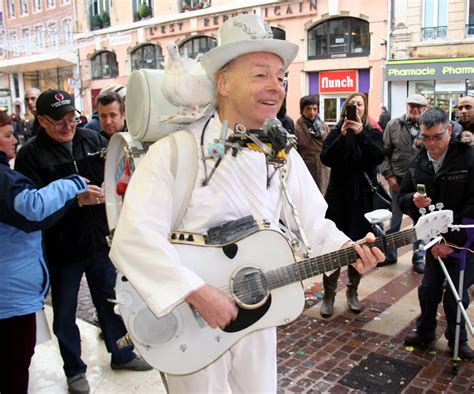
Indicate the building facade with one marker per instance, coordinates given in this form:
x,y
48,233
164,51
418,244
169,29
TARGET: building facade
x,y
339,44
83,45
37,48
431,52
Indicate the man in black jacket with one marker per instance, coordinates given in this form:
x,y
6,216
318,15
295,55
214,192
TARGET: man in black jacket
x,y
446,167
76,244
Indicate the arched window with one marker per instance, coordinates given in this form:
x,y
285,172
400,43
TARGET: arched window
x,y
104,65
147,56
197,45
339,37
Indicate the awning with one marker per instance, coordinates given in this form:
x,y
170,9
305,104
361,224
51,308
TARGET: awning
x,y
42,61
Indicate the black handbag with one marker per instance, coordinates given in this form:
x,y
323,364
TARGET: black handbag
x,y
380,197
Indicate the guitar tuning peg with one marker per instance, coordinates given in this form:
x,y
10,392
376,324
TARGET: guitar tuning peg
x,y
422,211
439,206
431,208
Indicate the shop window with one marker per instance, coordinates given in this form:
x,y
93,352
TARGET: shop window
x,y
147,56
142,9
104,65
435,20
340,37
197,46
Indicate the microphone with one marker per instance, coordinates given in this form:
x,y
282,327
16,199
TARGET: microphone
x,y
277,134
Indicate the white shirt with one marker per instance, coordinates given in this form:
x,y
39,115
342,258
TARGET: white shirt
x,y
238,188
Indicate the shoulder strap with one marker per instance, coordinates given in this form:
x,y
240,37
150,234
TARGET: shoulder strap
x,y
184,167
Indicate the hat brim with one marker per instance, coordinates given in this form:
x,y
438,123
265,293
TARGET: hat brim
x,y
219,56
61,112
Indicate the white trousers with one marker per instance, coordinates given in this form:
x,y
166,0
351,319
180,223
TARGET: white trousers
x,y
247,367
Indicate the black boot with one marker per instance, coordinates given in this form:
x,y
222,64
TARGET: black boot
x,y
330,286
351,293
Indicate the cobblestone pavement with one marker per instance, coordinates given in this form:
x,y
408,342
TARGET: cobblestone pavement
x,y
314,354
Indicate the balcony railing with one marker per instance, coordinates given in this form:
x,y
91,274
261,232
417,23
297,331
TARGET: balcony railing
x,y
434,33
470,29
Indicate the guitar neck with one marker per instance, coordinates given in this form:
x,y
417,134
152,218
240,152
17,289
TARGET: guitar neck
x,y
317,265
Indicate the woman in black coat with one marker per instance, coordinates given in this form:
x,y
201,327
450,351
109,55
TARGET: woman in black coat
x,y
352,147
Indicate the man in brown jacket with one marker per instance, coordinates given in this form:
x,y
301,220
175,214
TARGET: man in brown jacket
x,y
311,131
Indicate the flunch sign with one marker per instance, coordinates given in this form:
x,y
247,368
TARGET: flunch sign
x,y
338,81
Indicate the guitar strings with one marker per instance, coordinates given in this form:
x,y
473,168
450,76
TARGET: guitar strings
x,y
312,267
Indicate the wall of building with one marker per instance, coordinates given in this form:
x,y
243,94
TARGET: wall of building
x,y
295,18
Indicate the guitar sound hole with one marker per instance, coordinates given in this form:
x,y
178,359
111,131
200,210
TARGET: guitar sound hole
x,y
249,287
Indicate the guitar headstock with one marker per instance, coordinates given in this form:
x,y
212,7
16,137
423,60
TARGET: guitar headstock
x,y
432,224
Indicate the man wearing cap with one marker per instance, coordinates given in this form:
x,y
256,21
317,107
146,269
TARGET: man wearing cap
x,y
399,139
111,110
248,68
77,243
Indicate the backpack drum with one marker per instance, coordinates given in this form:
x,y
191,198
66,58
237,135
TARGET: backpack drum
x,y
123,156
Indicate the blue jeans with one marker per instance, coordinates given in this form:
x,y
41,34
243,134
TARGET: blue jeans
x,y
65,282
395,224
431,292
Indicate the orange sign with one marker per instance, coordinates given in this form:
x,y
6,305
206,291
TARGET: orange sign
x,y
344,81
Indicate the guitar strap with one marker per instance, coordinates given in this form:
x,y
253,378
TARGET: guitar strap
x,y
297,237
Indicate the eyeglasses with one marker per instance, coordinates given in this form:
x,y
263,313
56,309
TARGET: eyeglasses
x,y
435,137
62,123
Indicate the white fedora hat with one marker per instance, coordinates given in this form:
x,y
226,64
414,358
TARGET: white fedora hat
x,y
246,34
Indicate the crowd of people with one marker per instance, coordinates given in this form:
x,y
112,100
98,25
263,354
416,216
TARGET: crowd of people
x,y
54,197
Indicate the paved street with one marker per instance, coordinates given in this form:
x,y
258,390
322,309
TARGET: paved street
x,y
316,354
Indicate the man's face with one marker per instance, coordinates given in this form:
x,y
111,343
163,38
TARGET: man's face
x,y
466,110
111,119
436,139
251,89
30,100
60,130
311,111
414,111
8,141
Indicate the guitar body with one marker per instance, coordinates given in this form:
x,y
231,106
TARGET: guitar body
x,y
182,342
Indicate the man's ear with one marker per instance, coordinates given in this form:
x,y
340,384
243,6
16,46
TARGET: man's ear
x,y
222,84
42,121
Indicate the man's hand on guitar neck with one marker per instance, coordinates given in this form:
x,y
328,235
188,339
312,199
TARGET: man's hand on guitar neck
x,y
217,309
368,257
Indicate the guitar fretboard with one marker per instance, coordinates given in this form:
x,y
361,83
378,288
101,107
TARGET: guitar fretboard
x,y
317,265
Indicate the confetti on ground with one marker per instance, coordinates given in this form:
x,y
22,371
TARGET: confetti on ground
x,y
409,348
389,346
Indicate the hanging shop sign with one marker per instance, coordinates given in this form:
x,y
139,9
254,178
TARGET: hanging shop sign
x,y
341,81
432,69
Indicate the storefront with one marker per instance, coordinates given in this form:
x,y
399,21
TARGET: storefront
x,y
442,81
333,87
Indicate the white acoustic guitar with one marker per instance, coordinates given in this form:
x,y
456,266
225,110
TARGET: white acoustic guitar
x,y
255,265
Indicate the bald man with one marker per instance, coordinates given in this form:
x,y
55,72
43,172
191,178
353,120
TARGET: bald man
x,y
31,125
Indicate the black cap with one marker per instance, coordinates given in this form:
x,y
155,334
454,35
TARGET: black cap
x,y
54,103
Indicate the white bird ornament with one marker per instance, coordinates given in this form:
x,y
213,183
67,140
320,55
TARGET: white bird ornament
x,y
186,85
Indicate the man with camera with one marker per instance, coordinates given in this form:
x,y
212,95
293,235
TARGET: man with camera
x,y
445,167
399,138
